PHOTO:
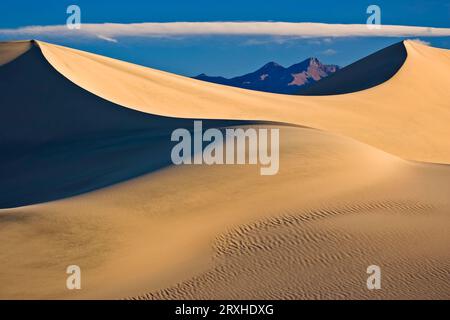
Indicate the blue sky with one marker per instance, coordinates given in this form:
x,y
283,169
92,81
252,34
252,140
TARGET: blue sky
x,y
224,54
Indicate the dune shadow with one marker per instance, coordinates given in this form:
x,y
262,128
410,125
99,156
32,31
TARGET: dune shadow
x,y
363,74
59,140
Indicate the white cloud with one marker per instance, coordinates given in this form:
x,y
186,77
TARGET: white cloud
x,y
107,38
320,41
329,52
271,40
112,31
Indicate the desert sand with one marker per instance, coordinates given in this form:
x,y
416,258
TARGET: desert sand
x,y
364,179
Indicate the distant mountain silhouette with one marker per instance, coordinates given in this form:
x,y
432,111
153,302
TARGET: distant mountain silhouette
x,y
275,78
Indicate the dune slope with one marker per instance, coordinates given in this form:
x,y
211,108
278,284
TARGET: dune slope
x,y
407,115
336,207
59,140
11,50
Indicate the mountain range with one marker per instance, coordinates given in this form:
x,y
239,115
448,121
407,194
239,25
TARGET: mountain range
x,y
275,78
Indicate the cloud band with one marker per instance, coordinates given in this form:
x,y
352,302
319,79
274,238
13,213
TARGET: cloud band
x,y
110,31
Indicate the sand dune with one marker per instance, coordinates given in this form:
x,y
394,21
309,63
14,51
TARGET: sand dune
x,y
346,196
58,140
406,115
11,50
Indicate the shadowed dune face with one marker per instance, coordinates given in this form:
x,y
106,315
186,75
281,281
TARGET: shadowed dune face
x,y
59,140
360,75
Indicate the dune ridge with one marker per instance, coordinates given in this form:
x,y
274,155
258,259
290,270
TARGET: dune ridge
x,y
347,196
377,115
59,140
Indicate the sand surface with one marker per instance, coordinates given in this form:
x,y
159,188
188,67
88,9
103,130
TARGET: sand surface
x,y
347,196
